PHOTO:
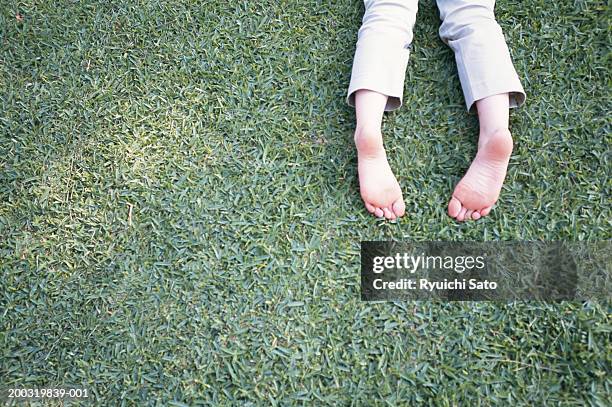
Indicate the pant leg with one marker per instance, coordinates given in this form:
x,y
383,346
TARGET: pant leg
x,y
482,56
381,55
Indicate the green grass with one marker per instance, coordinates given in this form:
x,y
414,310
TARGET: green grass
x,y
180,218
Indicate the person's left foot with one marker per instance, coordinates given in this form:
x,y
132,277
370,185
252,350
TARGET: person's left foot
x,y
380,191
479,189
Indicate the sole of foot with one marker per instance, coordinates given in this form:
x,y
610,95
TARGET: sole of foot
x,y
380,191
477,192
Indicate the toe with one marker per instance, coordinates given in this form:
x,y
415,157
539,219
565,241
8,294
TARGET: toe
x,y
486,211
389,214
468,215
461,215
378,212
399,207
370,207
476,215
454,207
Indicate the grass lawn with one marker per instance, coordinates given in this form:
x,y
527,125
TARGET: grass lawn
x,y
180,217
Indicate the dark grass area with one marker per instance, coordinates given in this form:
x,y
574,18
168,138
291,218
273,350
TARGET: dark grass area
x,y
180,218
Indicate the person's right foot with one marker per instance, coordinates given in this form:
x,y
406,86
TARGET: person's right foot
x,y
379,188
478,190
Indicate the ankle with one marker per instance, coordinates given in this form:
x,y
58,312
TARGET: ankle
x,y
368,140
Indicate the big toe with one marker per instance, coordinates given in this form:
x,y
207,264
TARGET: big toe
x,y
399,207
454,207
370,207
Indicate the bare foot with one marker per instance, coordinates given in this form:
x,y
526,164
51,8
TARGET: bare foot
x,y
380,190
479,189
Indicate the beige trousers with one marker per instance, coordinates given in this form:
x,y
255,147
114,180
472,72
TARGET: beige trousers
x,y
468,27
